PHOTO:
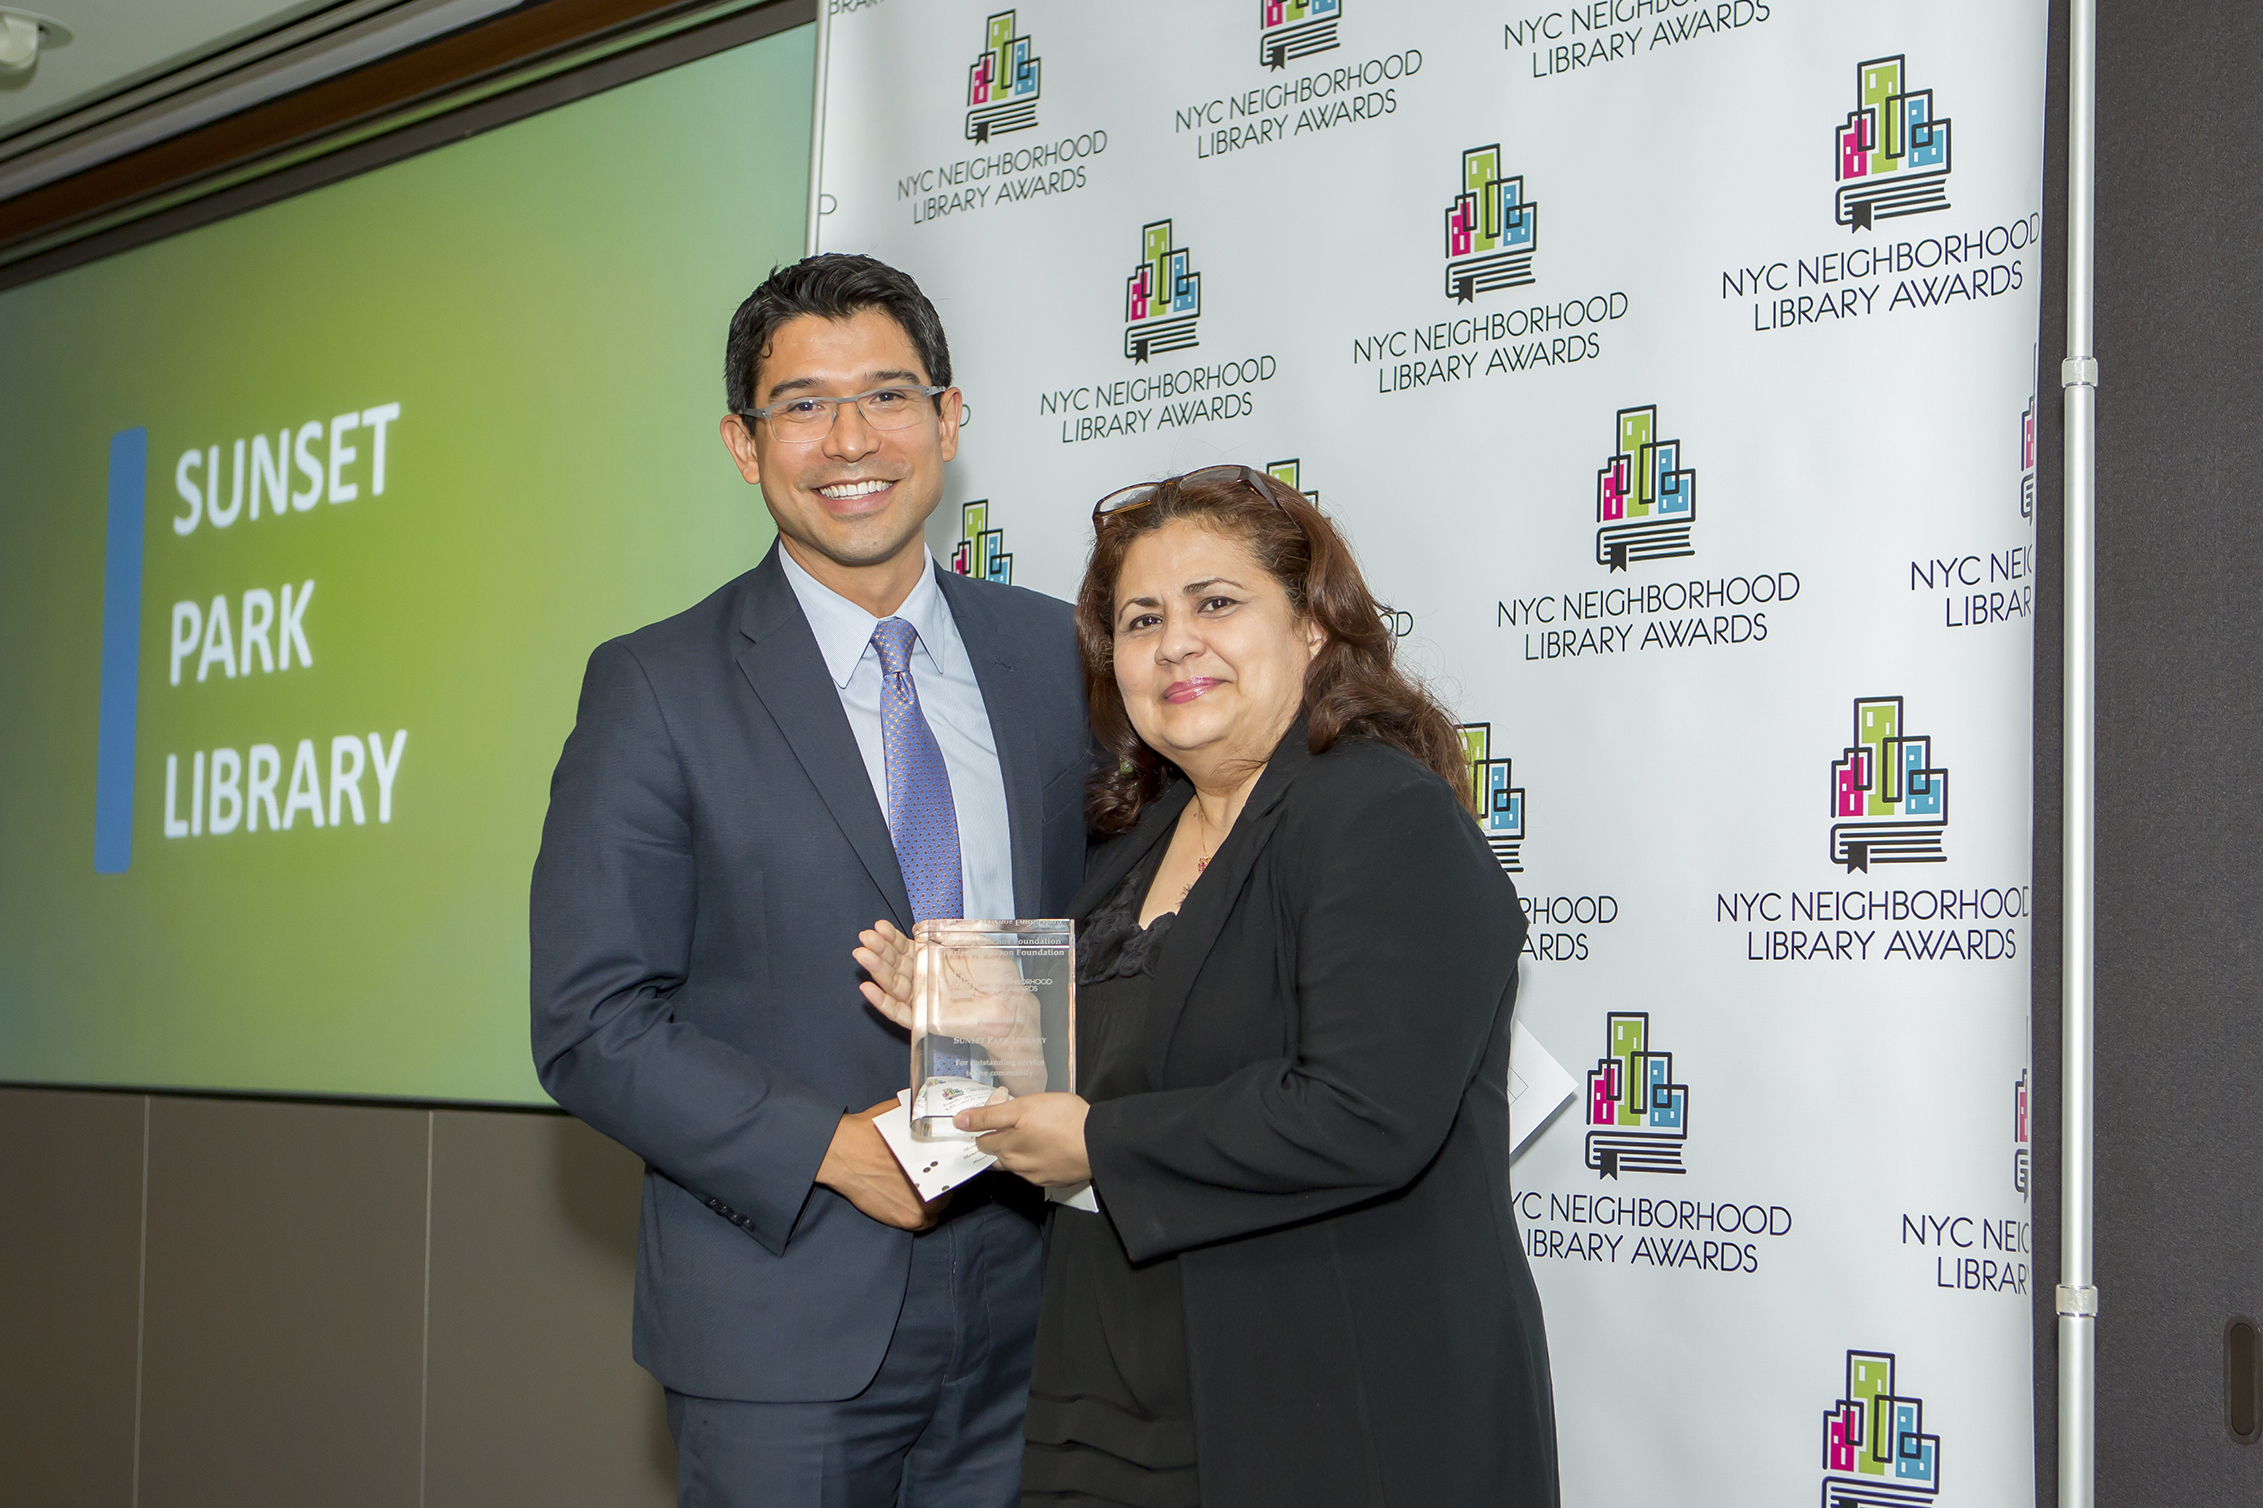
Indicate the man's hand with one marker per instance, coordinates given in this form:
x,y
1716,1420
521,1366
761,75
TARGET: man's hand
x,y
859,1167
1039,1136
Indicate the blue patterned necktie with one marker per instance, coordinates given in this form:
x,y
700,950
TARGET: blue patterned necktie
x,y
921,817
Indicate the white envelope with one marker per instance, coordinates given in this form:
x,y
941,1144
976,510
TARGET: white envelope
x,y
933,1167
1077,1196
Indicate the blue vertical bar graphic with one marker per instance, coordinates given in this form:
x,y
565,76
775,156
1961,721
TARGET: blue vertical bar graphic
x,y
121,654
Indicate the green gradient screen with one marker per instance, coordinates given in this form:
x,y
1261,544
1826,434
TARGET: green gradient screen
x,y
396,454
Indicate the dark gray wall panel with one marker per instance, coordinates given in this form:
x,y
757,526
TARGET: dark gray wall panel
x,y
283,1343
70,1273
533,1396
2180,698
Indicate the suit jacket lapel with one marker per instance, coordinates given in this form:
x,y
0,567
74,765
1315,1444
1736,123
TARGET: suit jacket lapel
x,y
1115,859
1203,915
781,662
1013,728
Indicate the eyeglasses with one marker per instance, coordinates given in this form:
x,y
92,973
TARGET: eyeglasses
x,y
1124,499
802,420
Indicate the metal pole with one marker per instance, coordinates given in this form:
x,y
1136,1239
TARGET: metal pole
x,y
817,132
2078,378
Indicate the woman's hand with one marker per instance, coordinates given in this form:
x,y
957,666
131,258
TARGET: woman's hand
x,y
886,955
1039,1136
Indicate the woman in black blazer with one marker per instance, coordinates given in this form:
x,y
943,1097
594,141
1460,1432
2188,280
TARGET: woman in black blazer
x,y
1297,1278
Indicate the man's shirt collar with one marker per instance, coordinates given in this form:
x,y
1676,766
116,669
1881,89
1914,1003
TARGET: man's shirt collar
x,y
844,630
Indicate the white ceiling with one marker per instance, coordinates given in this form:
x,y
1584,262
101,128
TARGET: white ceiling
x,y
117,41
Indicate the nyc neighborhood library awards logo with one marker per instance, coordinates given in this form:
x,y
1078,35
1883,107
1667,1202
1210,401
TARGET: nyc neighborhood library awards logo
x,y
1500,801
981,551
1638,1116
1287,473
1162,298
2019,1135
1292,29
1876,1453
1890,805
1001,87
2027,455
1491,230
1893,157
1002,90
1645,509
1645,500
1328,95
1889,801
1892,161
1162,306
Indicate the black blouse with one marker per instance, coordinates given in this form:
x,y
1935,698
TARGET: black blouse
x,y
1111,1415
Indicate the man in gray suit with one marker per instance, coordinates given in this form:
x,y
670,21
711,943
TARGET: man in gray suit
x,y
845,733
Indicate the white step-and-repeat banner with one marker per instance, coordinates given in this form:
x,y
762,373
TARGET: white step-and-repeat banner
x,y
1672,367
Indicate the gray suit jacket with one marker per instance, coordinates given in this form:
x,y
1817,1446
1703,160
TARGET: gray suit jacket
x,y
712,847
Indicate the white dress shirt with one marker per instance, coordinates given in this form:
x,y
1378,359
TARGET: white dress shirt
x,y
951,700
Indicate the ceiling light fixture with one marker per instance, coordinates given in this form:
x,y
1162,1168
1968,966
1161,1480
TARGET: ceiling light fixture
x,y
23,33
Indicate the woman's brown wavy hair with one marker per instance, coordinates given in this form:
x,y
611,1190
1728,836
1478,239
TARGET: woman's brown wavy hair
x,y
1354,685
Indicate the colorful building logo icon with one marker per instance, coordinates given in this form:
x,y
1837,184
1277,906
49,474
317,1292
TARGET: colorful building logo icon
x,y
1401,623
1290,29
1637,1116
1645,499
2019,1135
1001,87
1492,230
1286,472
1500,801
1893,156
981,551
1876,1453
1163,298
1890,801
2027,456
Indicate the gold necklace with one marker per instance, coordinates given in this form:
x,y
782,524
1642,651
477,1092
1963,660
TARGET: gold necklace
x,y
1202,858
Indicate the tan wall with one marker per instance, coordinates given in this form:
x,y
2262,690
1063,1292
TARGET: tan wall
x,y
245,1302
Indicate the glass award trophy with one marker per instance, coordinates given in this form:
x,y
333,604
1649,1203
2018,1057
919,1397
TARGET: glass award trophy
x,y
993,1016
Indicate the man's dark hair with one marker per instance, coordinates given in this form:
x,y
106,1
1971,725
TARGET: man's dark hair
x,y
832,285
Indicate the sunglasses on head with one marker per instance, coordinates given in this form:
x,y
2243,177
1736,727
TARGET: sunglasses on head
x,y
1124,499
